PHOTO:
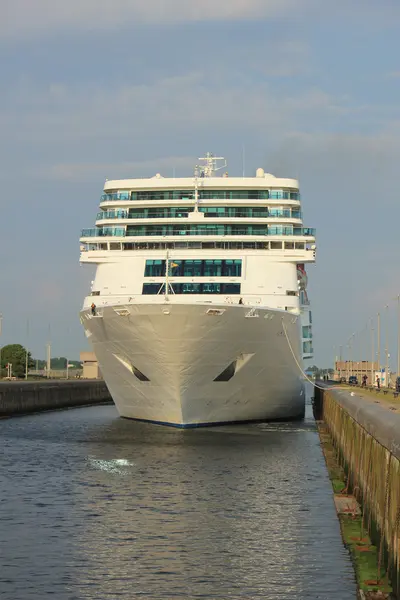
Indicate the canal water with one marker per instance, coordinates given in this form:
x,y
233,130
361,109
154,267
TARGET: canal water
x,y
93,506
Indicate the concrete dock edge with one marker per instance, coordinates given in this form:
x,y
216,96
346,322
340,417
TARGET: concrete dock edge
x,y
366,437
19,398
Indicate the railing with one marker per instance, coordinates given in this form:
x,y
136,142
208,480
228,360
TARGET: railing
x,y
226,231
208,213
104,232
203,195
112,214
180,244
115,197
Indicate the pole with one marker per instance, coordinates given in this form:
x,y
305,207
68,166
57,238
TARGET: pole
x,y
1,330
334,361
48,347
26,350
351,353
167,277
372,352
387,345
398,335
379,344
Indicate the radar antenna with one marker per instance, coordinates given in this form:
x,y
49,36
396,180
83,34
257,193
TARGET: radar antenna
x,y
210,167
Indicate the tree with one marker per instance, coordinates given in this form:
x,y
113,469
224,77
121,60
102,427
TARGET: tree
x,y
16,355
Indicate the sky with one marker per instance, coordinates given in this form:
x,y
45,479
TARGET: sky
x,y
96,89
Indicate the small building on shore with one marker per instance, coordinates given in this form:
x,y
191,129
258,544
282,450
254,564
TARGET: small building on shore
x,y
90,366
359,368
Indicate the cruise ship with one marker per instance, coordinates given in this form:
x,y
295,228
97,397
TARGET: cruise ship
x,y
198,313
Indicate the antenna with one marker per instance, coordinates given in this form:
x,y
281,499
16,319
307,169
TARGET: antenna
x,y
210,167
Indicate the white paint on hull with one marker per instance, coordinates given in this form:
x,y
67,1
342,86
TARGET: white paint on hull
x,y
181,349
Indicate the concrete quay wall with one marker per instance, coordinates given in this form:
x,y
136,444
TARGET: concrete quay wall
x,y
366,436
18,398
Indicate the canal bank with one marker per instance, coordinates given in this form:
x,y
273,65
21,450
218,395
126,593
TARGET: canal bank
x,y
23,397
360,435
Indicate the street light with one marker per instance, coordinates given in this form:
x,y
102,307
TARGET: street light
x,y
379,343
398,335
387,344
372,351
1,329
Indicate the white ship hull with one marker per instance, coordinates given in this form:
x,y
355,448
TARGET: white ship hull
x,y
180,349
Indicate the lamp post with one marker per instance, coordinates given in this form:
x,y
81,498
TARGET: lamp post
x,y
379,344
387,345
372,351
26,351
352,344
398,336
1,329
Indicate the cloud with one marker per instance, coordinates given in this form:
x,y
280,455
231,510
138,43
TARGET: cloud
x,y
188,103
28,16
96,171
23,19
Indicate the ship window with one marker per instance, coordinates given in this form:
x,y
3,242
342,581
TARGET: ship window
x,y
233,194
152,289
299,245
227,373
307,332
95,294
228,289
201,245
155,268
194,268
291,293
232,268
115,246
307,348
213,268
231,288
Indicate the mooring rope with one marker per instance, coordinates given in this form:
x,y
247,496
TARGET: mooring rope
x,y
320,387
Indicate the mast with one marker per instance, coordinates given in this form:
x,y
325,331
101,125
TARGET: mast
x,y
167,277
196,188
211,167
205,171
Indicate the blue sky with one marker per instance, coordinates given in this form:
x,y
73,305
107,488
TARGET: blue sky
x,y
94,89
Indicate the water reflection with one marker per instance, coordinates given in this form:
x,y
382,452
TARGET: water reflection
x,y
110,508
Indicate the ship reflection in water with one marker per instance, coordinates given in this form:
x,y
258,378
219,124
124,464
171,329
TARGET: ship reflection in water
x,y
94,506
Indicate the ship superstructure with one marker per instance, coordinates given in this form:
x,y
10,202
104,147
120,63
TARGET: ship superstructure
x,y
198,311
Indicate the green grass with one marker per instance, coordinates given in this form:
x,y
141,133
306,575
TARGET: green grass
x,y
365,561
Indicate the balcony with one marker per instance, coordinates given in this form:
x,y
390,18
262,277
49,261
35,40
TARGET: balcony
x,y
112,214
104,232
209,212
200,230
203,195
